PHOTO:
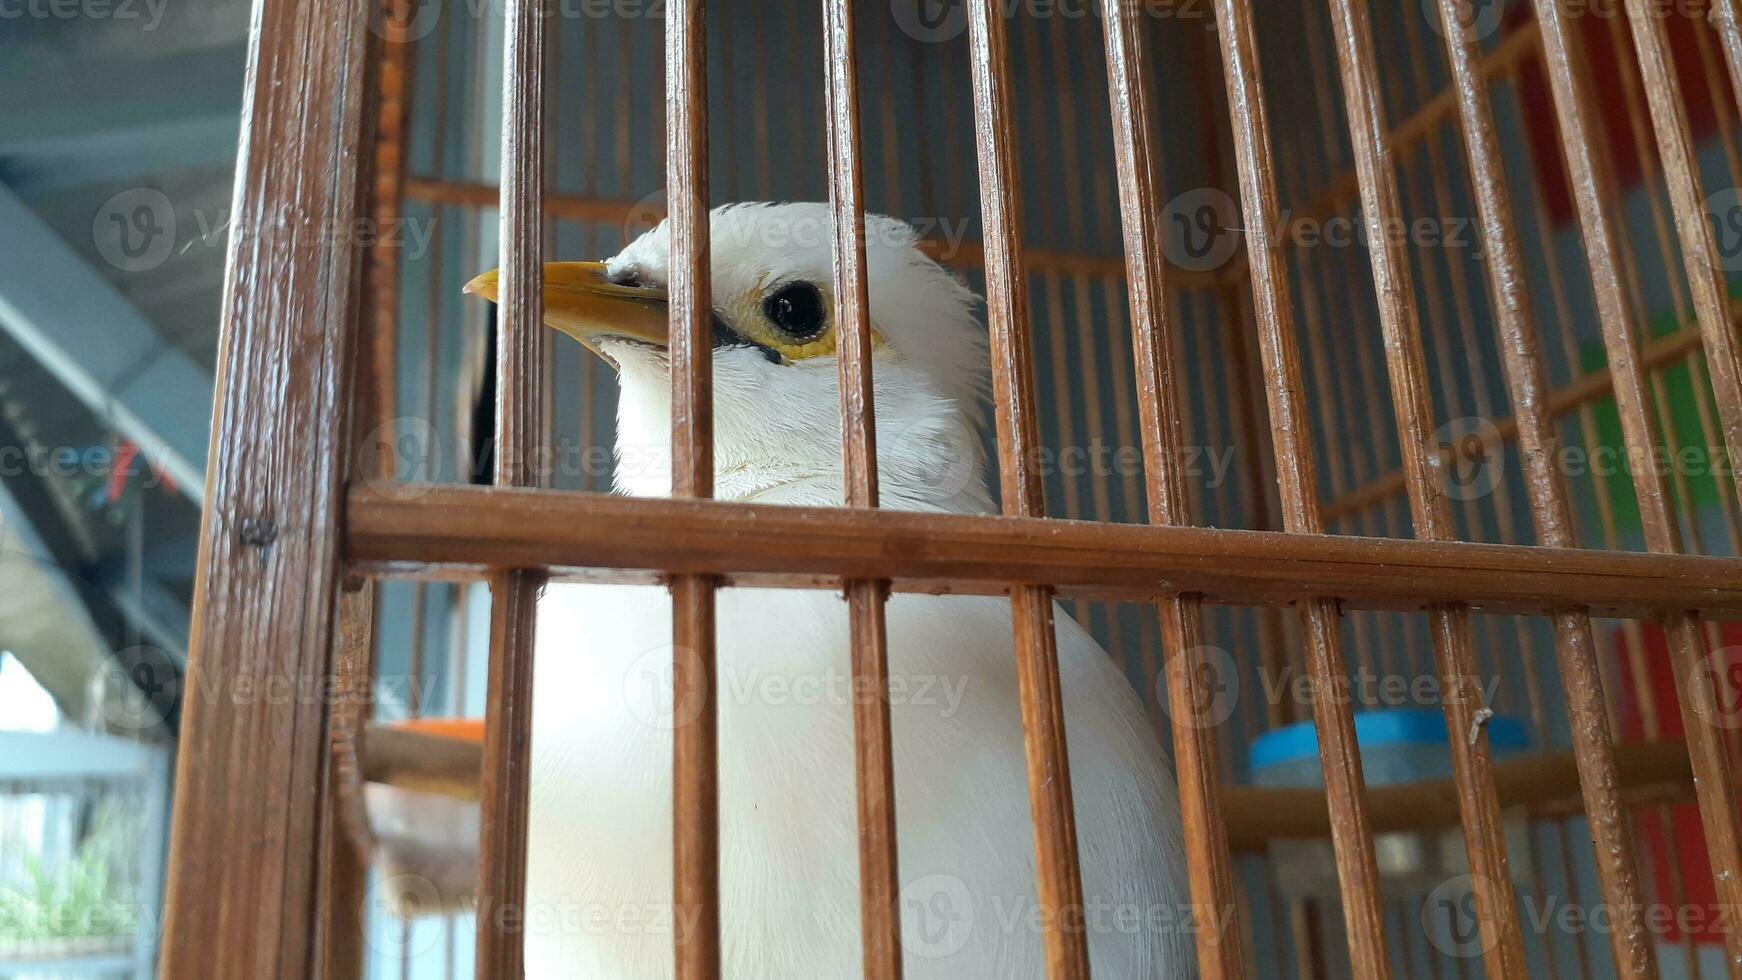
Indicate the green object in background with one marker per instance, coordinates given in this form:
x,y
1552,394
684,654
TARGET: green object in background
x,y
1687,446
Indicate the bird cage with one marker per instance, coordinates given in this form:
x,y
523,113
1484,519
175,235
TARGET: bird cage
x,y
1352,361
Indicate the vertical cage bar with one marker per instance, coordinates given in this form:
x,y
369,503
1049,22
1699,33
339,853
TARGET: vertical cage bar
x,y
1593,188
874,765
695,750
1728,21
1478,804
1031,606
345,872
1521,358
506,784
1297,477
1194,734
1700,258
249,775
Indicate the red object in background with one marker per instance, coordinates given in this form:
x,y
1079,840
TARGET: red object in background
x,y
1592,24
1725,663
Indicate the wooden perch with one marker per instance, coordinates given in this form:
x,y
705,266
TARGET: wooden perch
x,y
445,758
1546,785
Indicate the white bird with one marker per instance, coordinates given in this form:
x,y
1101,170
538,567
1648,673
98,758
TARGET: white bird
x,y
599,867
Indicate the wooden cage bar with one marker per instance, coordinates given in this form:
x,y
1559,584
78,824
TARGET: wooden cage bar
x,y
695,750
1491,876
1575,646
1593,190
247,828
1297,479
874,763
1031,605
521,354
1220,951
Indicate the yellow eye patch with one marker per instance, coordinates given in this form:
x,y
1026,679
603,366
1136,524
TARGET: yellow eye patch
x,y
751,317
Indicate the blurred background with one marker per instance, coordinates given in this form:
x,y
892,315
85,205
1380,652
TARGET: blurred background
x,y
118,132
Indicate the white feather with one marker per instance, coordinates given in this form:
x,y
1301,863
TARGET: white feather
x,y
599,877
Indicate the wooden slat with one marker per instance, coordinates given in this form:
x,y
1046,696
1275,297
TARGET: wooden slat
x,y
1546,784
1158,377
345,870
965,254
521,355
1412,399
695,749
1297,479
249,777
874,765
1031,606
1700,257
467,528
1727,17
1575,645
1582,140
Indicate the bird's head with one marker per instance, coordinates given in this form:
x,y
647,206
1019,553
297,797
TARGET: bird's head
x,y
777,434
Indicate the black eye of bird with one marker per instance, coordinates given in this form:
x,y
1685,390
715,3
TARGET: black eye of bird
x,y
797,310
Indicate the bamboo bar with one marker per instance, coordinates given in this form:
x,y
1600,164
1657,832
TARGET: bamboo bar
x,y
1593,188
246,834
1031,605
1194,732
964,254
1728,21
695,750
520,434
874,766
1575,645
1297,476
1491,877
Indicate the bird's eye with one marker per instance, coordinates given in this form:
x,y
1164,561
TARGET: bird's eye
x,y
797,310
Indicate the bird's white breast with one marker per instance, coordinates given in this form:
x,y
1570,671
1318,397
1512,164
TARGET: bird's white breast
x,y
599,878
